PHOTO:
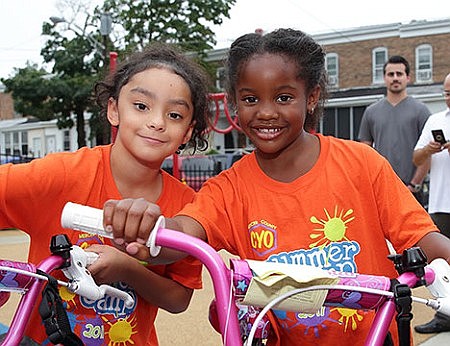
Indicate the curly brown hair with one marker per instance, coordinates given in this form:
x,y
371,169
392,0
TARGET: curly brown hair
x,y
167,56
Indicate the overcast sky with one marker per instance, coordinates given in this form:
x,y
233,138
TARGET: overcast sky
x,y
21,21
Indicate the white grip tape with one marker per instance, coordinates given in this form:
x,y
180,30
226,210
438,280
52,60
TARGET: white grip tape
x,y
151,242
83,218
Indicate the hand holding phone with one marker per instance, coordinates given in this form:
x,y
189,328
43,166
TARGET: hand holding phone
x,y
438,136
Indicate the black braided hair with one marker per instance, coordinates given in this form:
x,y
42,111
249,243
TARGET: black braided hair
x,y
308,55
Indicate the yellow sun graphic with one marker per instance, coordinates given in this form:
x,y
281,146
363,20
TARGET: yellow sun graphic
x,y
349,315
67,296
333,229
121,331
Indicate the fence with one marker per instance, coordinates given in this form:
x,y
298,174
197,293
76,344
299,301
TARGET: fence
x,y
195,176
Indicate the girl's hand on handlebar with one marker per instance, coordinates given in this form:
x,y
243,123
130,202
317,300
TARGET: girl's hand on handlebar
x,y
111,265
130,220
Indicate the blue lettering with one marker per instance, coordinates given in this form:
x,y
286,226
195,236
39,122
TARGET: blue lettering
x,y
112,305
335,256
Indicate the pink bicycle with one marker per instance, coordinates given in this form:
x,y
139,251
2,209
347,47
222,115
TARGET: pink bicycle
x,y
28,279
389,298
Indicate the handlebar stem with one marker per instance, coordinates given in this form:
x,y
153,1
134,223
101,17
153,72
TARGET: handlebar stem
x,y
220,274
381,323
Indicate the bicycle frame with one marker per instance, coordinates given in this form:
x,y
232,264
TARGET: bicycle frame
x,y
411,264
28,300
28,279
226,309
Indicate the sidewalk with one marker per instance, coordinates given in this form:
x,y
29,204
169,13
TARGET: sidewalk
x,y
438,340
423,314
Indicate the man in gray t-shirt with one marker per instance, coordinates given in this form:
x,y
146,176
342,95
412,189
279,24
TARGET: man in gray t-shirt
x,y
393,124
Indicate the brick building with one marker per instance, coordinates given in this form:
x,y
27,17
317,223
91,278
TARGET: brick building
x,y
6,106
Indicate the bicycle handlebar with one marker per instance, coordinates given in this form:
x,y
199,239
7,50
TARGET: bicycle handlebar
x,y
82,283
24,278
435,276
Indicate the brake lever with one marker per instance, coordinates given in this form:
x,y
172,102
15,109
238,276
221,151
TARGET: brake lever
x,y
81,281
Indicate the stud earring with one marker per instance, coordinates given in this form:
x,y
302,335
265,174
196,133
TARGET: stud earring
x,y
180,148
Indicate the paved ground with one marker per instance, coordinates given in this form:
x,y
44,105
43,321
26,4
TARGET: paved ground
x,y
192,327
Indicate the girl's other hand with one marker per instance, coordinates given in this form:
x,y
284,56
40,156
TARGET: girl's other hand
x,y
111,265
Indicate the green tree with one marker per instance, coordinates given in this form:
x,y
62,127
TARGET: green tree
x,y
78,60
185,23
77,64
31,92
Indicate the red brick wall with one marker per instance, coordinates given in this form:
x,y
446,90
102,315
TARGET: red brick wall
x,y
355,58
6,106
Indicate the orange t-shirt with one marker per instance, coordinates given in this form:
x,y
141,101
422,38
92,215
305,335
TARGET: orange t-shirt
x,y
336,216
32,197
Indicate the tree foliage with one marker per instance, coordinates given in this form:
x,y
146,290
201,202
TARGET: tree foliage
x,y
30,92
181,22
74,50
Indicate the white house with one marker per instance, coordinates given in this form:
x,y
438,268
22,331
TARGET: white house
x,y
30,137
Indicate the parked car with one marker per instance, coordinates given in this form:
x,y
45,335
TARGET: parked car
x,y
14,159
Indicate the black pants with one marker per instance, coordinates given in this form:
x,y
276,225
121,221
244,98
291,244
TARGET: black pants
x,y
442,221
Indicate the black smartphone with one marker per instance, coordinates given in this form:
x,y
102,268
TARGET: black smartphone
x,y
438,136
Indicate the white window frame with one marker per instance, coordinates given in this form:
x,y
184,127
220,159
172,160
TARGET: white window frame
x,y
377,68
333,75
424,70
220,78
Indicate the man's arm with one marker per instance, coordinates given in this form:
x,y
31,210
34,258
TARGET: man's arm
x,y
423,155
421,171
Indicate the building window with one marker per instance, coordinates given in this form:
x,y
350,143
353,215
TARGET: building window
x,y
332,64
342,122
66,140
16,143
24,138
379,57
8,143
424,63
220,78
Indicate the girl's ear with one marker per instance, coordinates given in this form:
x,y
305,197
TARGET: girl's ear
x,y
313,99
113,112
188,133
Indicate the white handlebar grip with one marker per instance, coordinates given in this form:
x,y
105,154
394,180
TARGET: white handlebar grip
x,y
83,218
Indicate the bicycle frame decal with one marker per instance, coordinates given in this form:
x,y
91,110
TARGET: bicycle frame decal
x,y
13,282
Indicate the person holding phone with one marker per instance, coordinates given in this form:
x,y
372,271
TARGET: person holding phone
x,y
433,146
